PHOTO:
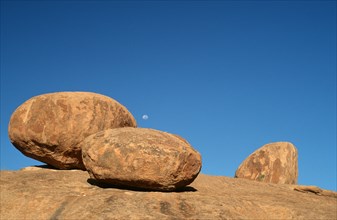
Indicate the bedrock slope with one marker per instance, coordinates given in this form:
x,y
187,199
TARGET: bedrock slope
x,y
40,193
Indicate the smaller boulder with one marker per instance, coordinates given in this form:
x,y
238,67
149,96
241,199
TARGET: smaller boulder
x,y
141,158
272,163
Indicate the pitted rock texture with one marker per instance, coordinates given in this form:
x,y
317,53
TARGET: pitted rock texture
x,y
142,158
49,127
273,163
67,194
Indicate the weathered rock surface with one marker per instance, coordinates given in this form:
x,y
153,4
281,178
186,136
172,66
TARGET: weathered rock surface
x,y
141,157
49,127
66,194
272,163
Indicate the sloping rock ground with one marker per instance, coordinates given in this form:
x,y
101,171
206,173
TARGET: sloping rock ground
x,y
40,193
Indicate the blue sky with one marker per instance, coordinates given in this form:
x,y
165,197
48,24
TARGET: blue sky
x,y
229,76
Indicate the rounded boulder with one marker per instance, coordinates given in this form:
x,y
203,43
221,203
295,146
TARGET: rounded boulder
x,y
272,163
49,127
141,158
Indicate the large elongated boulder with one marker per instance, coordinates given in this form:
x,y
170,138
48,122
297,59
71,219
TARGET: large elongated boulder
x,y
273,163
49,127
141,158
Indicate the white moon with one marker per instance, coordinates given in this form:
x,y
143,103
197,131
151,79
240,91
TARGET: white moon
x,y
145,117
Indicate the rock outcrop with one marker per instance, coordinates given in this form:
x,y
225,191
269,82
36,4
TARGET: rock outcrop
x,y
67,194
140,157
49,127
273,163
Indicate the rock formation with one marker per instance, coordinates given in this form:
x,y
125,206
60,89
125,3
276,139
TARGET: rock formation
x,y
128,165
49,127
67,194
272,163
140,157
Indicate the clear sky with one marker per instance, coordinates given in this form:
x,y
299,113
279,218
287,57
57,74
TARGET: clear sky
x,y
229,76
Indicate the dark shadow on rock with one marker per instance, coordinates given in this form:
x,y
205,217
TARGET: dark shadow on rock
x,y
187,189
46,166
122,187
50,167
